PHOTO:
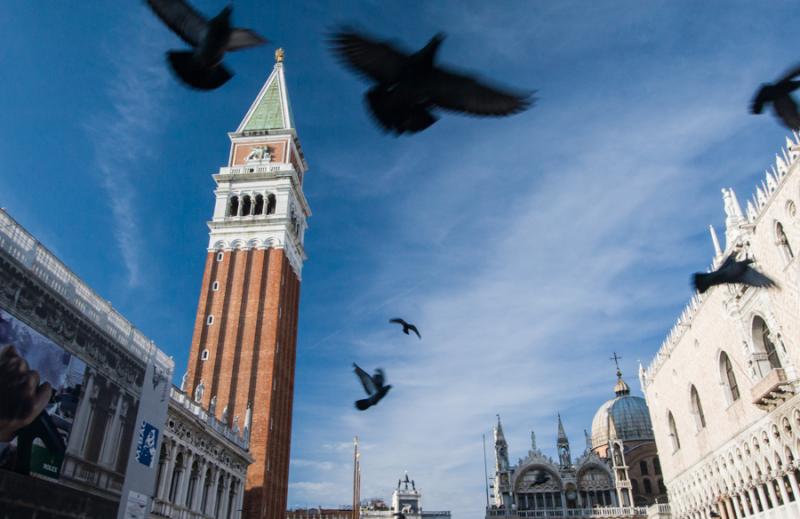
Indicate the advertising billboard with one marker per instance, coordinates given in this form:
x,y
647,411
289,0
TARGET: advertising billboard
x,y
57,414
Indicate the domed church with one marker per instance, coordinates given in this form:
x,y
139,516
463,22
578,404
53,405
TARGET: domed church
x,y
618,468
622,435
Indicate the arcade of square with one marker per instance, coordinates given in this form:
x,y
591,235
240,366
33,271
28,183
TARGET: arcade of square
x,y
723,388
617,475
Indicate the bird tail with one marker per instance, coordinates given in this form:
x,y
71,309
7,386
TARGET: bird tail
x,y
363,404
701,282
194,74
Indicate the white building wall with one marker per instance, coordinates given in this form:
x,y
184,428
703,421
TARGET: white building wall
x,y
746,452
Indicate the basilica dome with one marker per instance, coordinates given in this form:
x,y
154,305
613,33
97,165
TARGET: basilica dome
x,y
624,417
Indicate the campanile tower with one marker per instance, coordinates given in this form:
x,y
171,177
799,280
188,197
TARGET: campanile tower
x,y
241,366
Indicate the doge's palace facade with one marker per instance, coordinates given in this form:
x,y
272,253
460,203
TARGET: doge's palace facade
x,y
723,388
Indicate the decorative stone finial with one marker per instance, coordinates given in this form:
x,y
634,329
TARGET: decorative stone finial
x,y
279,55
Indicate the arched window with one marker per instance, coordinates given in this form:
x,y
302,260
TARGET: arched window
x,y
176,478
728,377
233,206
762,338
656,466
648,488
635,486
673,432
697,409
271,204
661,488
246,205
643,467
259,208
783,242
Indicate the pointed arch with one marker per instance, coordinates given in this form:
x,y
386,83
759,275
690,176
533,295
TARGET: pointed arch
x,y
763,340
782,241
673,432
728,378
697,408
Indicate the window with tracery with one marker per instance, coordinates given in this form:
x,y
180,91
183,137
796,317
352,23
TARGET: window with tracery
x,y
763,338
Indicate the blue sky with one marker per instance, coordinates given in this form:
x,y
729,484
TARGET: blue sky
x,y
527,249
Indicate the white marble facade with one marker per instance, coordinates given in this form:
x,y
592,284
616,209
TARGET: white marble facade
x,y
202,465
722,389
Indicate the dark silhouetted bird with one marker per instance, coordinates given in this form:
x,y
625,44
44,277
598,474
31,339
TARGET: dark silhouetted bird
x,y
373,385
202,67
779,95
409,86
539,477
406,326
732,271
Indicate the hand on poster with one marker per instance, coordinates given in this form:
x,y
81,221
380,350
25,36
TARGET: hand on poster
x,y
22,398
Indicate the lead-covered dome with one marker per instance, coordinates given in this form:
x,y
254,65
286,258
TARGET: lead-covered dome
x,y
625,417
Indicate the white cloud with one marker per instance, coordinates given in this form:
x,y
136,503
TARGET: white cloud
x,y
125,134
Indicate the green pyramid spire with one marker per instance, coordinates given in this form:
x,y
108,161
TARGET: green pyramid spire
x,y
271,109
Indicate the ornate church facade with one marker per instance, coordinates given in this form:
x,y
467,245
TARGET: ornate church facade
x,y
723,387
617,475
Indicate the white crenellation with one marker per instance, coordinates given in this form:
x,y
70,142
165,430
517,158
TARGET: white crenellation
x,y
764,193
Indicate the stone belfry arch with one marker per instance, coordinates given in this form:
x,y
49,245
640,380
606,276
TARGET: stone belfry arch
x,y
244,342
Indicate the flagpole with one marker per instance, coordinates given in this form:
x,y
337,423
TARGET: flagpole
x,y
485,472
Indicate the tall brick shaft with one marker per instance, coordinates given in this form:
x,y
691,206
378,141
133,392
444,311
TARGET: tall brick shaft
x,y
241,366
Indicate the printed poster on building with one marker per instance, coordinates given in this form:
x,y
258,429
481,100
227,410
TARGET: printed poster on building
x,y
36,443
147,444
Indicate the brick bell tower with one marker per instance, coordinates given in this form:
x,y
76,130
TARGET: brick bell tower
x,y
244,343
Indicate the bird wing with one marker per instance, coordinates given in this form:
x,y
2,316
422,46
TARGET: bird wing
x,y
181,17
369,385
760,99
461,93
374,59
787,110
414,329
243,38
379,377
729,262
398,321
790,74
755,278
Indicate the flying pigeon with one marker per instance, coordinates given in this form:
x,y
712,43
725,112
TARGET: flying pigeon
x,y
408,86
540,477
202,67
406,326
732,271
373,385
779,95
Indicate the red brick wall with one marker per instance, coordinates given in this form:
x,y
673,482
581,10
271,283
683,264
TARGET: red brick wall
x,y
252,349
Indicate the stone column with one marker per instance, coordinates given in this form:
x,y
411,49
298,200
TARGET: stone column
x,y
239,500
737,511
108,447
200,487
763,496
614,498
772,496
212,498
793,483
782,488
186,475
753,500
731,510
563,501
81,421
166,480
223,510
